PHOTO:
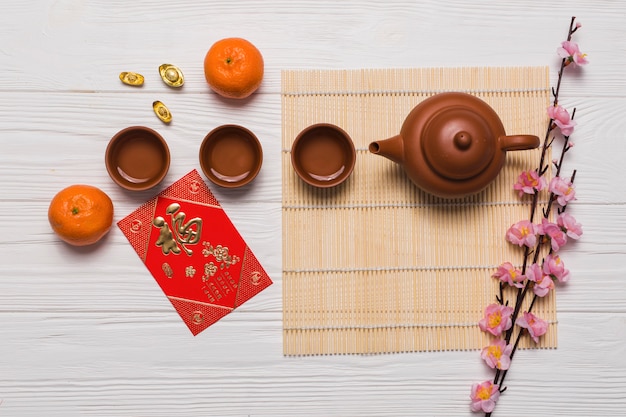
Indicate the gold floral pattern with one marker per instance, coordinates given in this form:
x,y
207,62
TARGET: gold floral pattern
x,y
210,270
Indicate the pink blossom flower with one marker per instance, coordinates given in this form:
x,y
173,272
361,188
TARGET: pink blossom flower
x,y
484,397
522,233
497,354
529,182
563,189
509,274
557,236
568,224
554,267
562,119
536,327
497,319
543,282
570,51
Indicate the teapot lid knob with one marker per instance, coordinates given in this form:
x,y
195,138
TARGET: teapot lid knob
x,y
458,143
462,140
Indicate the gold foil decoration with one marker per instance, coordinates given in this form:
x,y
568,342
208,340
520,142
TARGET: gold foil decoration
x,y
255,277
167,269
197,317
171,75
162,111
131,78
210,270
166,237
181,232
221,255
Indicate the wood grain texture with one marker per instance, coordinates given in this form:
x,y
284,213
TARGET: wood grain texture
x,y
87,331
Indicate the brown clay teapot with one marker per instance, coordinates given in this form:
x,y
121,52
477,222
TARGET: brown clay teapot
x,y
452,145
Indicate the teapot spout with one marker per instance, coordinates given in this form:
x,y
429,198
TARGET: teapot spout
x,y
392,148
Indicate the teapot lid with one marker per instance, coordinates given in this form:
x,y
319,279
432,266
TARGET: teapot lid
x,y
458,142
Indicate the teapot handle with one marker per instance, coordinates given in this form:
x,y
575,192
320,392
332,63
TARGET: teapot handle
x,y
518,142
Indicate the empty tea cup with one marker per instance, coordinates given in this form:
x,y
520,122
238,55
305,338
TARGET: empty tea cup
x,y
323,155
137,158
231,156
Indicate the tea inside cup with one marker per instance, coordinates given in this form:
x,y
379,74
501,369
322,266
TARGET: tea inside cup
x,y
323,155
231,156
137,158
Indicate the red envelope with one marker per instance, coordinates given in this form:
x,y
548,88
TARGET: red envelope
x,y
194,252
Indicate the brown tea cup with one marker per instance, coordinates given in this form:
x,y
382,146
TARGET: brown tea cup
x,y
137,158
231,156
323,155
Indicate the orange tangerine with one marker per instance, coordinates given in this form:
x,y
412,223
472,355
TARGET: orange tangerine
x,y
233,68
81,214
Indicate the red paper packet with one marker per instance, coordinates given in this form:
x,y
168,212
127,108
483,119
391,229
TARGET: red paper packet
x,y
194,252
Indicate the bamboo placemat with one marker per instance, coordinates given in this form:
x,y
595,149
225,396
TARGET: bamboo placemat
x,y
376,265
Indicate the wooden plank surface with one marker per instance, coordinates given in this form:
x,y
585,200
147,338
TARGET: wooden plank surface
x,y
87,332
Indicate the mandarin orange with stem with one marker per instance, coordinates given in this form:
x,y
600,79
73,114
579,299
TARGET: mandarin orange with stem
x,y
81,214
233,68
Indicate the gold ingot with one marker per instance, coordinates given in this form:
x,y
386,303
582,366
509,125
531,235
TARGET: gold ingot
x,y
162,112
171,75
131,78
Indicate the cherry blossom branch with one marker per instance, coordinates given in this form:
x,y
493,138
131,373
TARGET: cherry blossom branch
x,y
538,273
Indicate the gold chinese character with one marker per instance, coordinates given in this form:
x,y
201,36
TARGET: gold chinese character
x,y
182,233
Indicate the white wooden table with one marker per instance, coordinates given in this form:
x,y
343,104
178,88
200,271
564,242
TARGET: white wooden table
x,y
88,332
